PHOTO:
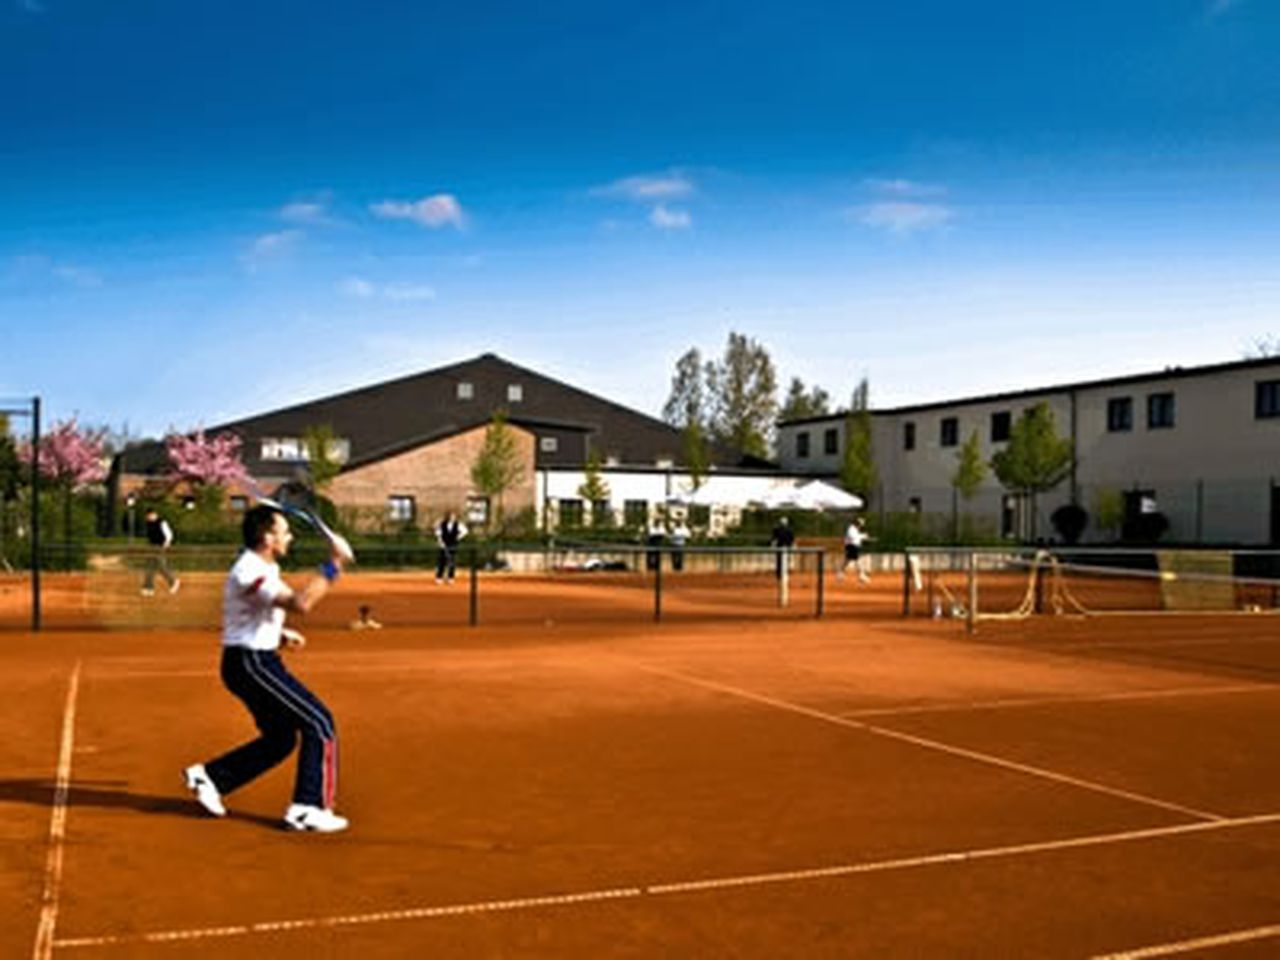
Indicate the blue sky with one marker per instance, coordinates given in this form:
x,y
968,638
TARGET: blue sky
x,y
210,210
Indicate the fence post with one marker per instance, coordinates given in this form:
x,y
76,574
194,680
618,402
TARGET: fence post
x,y
971,621
906,581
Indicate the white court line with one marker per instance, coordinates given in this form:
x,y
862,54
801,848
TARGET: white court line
x,y
986,758
57,826
1200,943
665,889
1000,704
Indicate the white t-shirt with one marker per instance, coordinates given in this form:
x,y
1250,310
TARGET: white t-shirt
x,y
249,618
855,535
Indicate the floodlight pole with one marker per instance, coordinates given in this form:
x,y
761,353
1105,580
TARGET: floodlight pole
x,y
35,514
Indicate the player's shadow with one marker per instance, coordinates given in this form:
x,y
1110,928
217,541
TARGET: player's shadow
x,y
113,794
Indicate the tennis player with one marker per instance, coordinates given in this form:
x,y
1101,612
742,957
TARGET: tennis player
x,y
254,602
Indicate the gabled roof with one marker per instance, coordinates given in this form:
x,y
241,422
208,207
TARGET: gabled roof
x,y
388,418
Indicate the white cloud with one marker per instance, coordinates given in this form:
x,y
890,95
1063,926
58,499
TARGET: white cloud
x,y
666,218
435,211
646,189
408,292
904,217
308,212
900,187
395,292
271,246
355,287
79,276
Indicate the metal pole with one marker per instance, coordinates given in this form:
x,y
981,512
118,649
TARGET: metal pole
x,y
822,557
971,621
906,582
657,585
475,587
35,514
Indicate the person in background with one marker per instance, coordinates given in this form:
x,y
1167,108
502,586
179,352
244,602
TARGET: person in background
x,y
449,533
159,539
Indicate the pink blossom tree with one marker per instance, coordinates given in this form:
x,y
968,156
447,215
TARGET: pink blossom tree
x,y
71,458
209,464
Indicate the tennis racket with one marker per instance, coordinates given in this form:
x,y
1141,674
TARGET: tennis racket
x,y
296,499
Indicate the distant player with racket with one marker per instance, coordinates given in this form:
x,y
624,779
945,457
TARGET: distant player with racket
x,y
254,602
449,533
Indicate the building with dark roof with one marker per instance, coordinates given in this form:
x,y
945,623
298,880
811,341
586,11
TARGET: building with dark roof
x,y
407,446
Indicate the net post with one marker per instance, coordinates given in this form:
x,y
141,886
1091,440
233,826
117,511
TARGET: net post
x,y
822,557
657,587
971,618
784,576
35,514
474,612
906,581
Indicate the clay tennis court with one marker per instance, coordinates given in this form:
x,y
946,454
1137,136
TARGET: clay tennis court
x,y
603,786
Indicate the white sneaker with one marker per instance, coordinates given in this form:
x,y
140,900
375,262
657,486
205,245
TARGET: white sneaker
x,y
301,816
147,592
206,793
173,587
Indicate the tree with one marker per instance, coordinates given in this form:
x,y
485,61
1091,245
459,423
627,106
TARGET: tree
x,y
10,467
687,402
1263,347
970,472
857,466
206,462
801,403
320,443
594,489
497,467
697,454
742,389
72,459
1036,459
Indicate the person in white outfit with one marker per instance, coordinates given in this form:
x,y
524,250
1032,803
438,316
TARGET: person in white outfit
x,y
855,535
254,602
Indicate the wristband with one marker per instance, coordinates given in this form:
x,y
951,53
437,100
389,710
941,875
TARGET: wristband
x,y
329,570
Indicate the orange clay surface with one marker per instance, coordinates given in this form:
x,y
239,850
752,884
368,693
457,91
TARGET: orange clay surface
x,y
573,780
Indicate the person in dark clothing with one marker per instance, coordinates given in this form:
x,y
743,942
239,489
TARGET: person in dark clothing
x,y
785,538
159,539
449,533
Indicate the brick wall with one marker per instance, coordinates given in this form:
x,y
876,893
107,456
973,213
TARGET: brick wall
x,y
437,476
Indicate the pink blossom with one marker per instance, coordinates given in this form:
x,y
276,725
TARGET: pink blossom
x,y
211,462
68,455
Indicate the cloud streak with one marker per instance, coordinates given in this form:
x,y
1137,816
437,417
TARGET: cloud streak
x,y
647,189
434,212
269,247
667,218
362,289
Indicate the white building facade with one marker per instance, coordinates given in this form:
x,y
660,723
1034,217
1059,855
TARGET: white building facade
x,y
1199,445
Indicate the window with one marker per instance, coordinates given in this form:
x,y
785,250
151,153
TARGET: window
x,y
282,448
478,510
1000,423
601,513
466,390
915,505
571,512
830,441
802,445
548,444
1266,401
664,463
1160,411
908,436
400,508
949,435
239,504
635,513
515,393
1119,414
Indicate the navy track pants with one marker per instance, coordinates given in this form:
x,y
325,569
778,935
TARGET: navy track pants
x,y
283,709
